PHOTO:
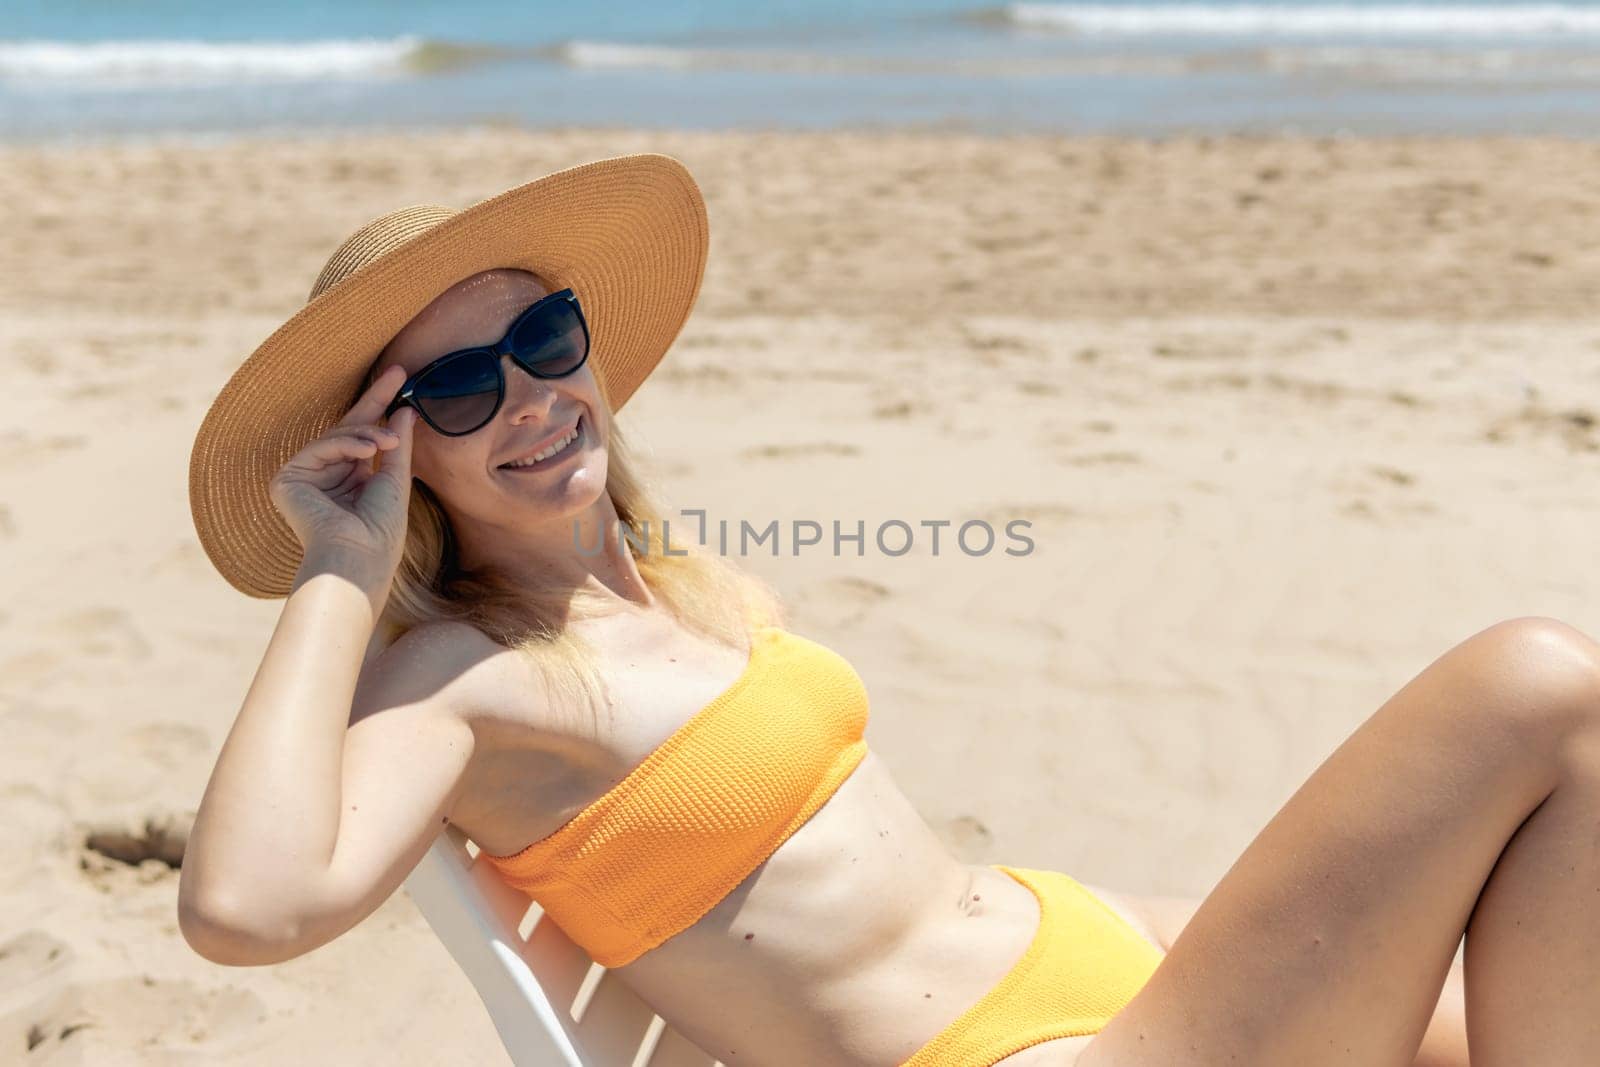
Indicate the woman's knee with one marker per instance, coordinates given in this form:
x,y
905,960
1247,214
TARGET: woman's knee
x,y
1538,674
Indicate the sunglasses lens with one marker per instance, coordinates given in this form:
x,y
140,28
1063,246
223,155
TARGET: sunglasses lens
x,y
461,395
553,341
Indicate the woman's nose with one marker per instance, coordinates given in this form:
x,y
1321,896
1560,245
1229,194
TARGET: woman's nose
x,y
525,394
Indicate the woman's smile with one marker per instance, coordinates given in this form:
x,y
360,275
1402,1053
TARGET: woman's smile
x,y
570,445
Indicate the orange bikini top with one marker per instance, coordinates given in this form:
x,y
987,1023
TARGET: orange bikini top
x,y
664,845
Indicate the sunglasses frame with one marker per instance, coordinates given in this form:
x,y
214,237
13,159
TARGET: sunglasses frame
x,y
501,348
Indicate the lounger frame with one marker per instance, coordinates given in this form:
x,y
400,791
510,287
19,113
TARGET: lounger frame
x,y
552,1005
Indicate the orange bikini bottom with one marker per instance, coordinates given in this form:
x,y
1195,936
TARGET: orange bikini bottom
x,y
1084,964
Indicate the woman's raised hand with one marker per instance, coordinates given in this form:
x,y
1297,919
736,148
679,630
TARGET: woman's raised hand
x,y
337,497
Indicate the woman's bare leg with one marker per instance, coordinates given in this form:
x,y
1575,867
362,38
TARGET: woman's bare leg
x,y
1445,1043
1163,918
1533,973
1469,802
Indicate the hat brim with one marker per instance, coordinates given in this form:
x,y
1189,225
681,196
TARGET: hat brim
x,y
629,235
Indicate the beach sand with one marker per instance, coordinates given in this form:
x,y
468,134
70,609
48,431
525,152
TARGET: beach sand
x,y
1288,418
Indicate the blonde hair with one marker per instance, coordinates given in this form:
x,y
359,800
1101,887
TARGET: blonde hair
x,y
702,591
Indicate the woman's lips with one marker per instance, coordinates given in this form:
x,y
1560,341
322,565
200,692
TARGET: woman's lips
x,y
550,461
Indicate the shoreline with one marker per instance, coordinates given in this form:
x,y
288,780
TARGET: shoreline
x,y
948,128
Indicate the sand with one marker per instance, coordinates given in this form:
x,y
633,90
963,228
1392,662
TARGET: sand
x,y
1288,418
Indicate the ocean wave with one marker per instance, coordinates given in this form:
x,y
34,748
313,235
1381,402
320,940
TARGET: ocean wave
x,y
604,54
1364,62
1499,67
592,54
1261,20
136,64
50,67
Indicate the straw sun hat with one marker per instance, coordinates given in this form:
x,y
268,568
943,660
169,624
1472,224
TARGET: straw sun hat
x,y
628,235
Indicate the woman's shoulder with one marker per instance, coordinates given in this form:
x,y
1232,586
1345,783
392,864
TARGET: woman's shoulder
x,y
436,639
444,656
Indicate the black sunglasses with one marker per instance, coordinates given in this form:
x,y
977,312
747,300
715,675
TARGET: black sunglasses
x,y
461,391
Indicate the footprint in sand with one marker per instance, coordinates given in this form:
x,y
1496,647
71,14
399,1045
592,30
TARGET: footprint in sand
x,y
39,1004
1393,474
1036,514
170,1022
815,448
161,837
1191,383
103,631
1312,391
992,342
861,590
179,1022
1358,509
28,669
42,361
1575,426
857,597
843,602
1089,459
894,409
18,449
699,375
168,744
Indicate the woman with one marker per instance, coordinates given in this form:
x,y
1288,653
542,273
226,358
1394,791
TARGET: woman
x,y
484,625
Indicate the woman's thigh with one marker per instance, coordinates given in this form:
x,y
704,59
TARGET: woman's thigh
x,y
1329,940
1162,918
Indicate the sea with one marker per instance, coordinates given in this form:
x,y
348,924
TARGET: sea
x,y
73,69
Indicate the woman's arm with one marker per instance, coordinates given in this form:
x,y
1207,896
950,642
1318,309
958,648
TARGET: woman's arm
x,y
291,793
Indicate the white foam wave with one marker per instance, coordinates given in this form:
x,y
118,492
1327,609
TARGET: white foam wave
x,y
605,54
1370,61
123,64
1502,67
597,54
1260,20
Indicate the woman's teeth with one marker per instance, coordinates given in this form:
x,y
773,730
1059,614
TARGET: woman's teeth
x,y
540,457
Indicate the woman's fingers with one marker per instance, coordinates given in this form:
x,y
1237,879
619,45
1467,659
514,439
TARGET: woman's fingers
x,y
391,485
352,442
333,488
375,401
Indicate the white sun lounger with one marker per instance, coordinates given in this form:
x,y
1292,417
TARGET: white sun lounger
x,y
550,1002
